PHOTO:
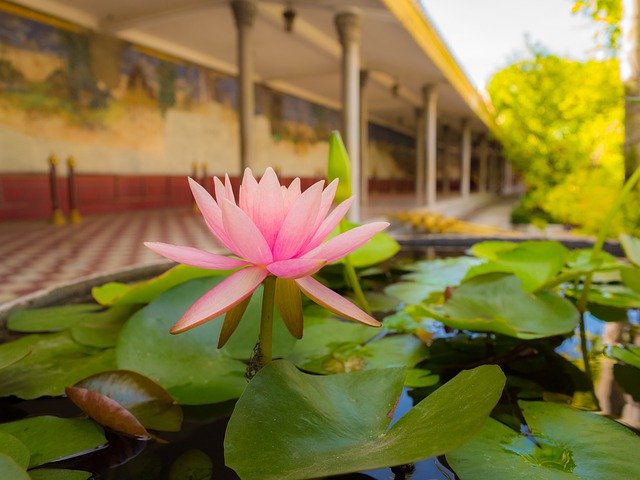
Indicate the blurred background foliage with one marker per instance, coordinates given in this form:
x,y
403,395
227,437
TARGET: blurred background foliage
x,y
561,122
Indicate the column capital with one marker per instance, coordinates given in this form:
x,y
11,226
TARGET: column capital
x,y
244,12
430,90
348,26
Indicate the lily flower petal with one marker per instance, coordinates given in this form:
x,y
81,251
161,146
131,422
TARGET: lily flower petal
x,y
210,211
347,242
246,239
195,257
221,298
332,301
327,226
296,267
229,188
269,210
298,223
291,194
248,193
328,194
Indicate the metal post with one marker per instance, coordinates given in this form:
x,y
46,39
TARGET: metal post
x,y
57,218
74,214
348,27
244,12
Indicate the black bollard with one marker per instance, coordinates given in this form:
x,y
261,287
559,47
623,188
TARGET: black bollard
x,y
74,214
57,218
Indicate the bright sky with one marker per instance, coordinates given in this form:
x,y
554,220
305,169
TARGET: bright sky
x,y
484,35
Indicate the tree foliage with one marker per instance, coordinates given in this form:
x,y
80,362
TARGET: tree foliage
x,y
561,124
608,14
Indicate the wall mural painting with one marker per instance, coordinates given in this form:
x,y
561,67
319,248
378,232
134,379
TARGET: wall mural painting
x,y
139,111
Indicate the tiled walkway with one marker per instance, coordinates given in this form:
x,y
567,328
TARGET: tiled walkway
x,y
36,254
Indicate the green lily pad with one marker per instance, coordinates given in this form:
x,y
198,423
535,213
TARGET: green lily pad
x,y
534,262
50,439
430,277
192,465
419,377
134,396
491,249
102,329
495,303
55,362
116,293
58,474
288,425
631,247
188,365
50,319
618,296
14,448
628,354
631,278
10,469
571,444
328,343
9,356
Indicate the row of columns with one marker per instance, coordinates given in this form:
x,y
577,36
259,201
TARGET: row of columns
x,y
355,115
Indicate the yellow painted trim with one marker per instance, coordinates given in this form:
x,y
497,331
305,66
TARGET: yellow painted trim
x,y
425,35
36,16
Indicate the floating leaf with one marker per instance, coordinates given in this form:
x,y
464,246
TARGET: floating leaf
x,y
50,319
631,278
418,377
631,247
189,365
127,402
570,444
9,356
101,330
50,439
55,362
496,303
58,474
284,415
533,262
491,249
618,296
192,465
9,469
14,448
628,354
143,292
429,277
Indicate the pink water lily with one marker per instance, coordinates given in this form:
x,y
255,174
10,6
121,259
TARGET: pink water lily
x,y
273,232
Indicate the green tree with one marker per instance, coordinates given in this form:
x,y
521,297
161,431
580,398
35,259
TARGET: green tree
x,y
561,124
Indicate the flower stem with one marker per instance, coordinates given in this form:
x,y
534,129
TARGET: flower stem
x,y
266,320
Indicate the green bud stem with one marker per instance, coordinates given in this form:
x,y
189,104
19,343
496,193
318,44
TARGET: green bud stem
x,y
266,320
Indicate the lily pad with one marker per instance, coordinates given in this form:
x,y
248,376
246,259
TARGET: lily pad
x,y
10,469
496,303
9,356
631,247
14,448
115,293
628,354
189,365
565,444
127,402
430,277
533,262
50,439
58,474
55,362
288,425
50,319
101,330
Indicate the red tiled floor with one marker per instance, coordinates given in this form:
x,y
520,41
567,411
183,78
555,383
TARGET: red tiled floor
x,y
36,254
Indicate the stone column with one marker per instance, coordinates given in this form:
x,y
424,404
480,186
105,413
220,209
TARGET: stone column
x,y
420,158
465,171
244,12
364,140
430,99
348,27
482,174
